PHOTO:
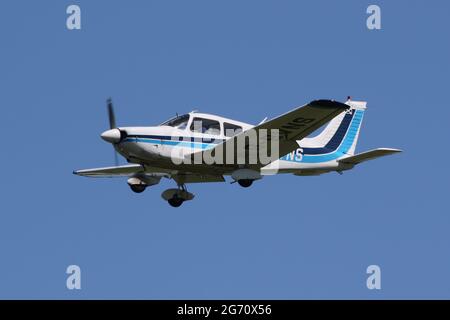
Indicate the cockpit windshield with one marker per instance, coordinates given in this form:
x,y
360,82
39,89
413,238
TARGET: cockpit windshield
x,y
179,122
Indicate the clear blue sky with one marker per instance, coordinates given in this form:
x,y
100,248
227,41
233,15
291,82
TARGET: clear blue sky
x,y
285,237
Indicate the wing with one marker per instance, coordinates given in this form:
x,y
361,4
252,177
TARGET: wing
x,y
369,155
133,169
110,172
293,125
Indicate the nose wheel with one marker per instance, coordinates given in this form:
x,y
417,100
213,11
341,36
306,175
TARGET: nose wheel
x,y
175,201
245,183
176,197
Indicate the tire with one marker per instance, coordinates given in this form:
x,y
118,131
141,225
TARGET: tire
x,y
245,183
138,188
175,202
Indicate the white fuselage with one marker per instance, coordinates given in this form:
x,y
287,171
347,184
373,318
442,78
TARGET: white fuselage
x,y
160,147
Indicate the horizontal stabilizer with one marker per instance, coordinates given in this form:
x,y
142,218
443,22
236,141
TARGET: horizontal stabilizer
x,y
369,155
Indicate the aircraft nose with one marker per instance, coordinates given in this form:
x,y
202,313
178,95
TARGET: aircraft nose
x,y
112,135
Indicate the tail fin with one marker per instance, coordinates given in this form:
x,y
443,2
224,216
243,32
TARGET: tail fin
x,y
342,132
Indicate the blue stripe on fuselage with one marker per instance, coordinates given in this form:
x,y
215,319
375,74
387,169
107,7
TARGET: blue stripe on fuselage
x,y
174,143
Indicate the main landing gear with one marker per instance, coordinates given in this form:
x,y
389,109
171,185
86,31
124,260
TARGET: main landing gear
x,y
138,188
245,183
245,177
176,197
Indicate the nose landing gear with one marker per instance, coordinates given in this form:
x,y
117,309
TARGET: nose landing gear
x,y
175,201
176,197
245,182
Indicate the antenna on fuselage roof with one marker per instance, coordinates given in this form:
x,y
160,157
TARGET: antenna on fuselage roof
x,y
263,120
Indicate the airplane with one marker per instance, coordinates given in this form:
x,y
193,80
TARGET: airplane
x,y
150,150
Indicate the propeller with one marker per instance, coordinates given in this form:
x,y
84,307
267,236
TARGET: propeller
x,y
111,116
112,125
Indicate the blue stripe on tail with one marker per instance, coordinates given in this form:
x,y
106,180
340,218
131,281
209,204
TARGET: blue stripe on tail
x,y
338,145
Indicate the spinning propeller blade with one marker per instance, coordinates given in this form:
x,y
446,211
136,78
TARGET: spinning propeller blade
x,y
111,116
112,125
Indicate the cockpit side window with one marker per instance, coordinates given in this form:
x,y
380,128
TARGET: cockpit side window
x,y
178,122
206,126
231,129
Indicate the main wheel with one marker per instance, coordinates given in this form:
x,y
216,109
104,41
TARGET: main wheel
x,y
245,183
175,201
138,188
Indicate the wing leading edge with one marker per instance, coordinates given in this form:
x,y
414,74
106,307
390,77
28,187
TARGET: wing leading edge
x,y
110,172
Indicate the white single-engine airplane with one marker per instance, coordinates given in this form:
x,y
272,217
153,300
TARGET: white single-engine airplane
x,y
150,150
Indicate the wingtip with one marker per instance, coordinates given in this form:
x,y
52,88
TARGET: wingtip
x,y
323,103
393,150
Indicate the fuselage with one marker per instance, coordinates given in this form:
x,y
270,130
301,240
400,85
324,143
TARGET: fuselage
x,y
158,146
